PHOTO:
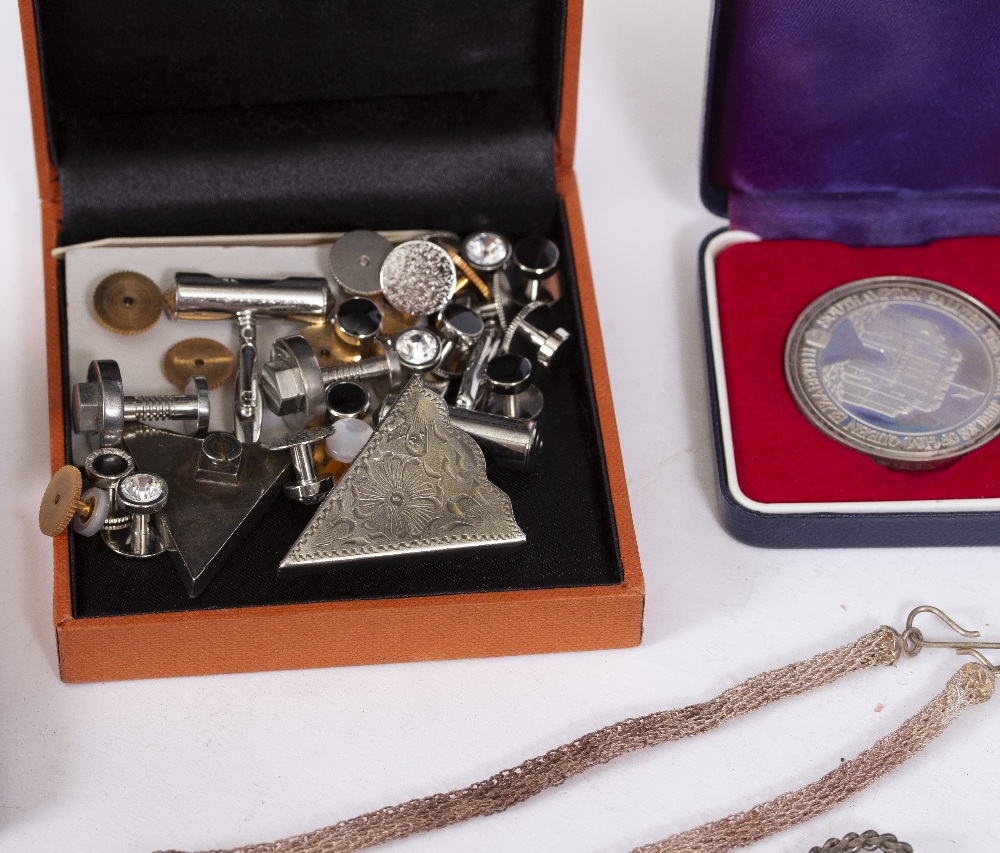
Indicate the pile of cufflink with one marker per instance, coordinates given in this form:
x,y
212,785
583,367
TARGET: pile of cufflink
x,y
416,359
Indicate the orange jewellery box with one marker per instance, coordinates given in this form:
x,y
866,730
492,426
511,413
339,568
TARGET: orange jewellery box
x,y
208,140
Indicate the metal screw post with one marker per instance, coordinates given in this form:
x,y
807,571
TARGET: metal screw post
x,y
412,351
100,405
547,345
294,385
309,488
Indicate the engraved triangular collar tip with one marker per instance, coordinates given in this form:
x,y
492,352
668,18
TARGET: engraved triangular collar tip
x,y
417,489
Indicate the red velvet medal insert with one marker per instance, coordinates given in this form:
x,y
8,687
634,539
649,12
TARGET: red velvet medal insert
x,y
780,457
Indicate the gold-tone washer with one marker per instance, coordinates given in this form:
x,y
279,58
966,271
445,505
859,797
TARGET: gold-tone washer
x,y
199,357
329,347
127,303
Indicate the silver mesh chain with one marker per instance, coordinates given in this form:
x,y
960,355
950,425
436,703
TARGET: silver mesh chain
x,y
870,840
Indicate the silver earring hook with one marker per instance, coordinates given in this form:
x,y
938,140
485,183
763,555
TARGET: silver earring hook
x,y
913,639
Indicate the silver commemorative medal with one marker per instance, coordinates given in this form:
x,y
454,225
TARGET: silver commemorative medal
x,y
903,369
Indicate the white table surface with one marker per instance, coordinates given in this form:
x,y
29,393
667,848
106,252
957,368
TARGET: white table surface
x,y
220,761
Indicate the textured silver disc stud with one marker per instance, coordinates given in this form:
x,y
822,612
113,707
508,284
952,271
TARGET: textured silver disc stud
x,y
903,369
418,278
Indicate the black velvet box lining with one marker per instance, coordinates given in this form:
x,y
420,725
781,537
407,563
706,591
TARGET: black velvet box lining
x,y
194,118
564,508
218,118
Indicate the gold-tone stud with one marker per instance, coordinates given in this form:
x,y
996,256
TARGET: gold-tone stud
x,y
127,303
199,357
63,503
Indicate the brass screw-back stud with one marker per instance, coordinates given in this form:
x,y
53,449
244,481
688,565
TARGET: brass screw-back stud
x,y
127,303
448,241
63,503
199,357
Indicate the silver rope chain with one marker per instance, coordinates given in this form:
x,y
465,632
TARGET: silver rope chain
x,y
870,840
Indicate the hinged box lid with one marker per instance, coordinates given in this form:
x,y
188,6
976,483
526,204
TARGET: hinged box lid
x,y
864,123
193,118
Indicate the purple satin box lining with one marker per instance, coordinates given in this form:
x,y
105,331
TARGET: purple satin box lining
x,y
897,219
869,123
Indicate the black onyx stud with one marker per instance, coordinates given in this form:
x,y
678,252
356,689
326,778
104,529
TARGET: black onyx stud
x,y
511,391
537,258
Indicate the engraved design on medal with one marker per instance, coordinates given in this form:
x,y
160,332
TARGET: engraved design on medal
x,y
902,369
915,371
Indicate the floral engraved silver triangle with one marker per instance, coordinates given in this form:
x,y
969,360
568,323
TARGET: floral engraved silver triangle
x,y
418,488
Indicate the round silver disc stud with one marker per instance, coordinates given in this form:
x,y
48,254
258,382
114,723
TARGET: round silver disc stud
x,y
418,278
903,369
486,251
356,260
